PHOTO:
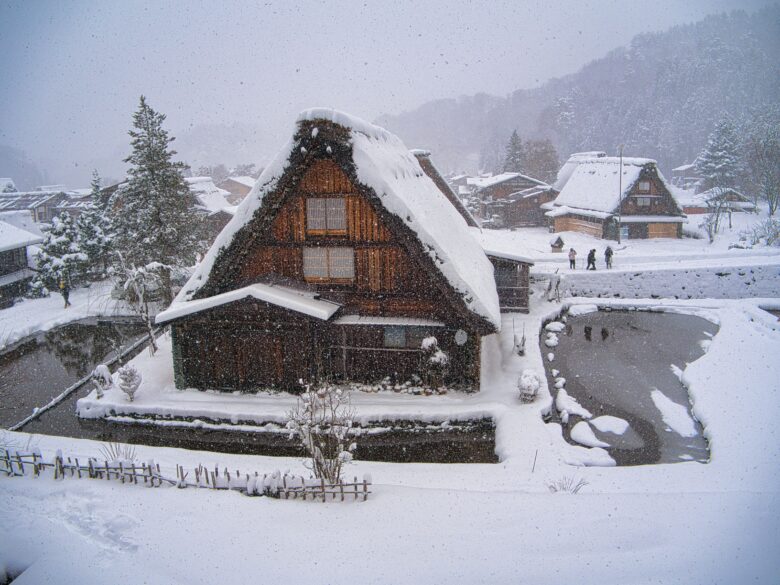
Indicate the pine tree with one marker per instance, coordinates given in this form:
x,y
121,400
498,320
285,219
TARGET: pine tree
x,y
61,256
720,163
541,160
92,230
515,157
155,218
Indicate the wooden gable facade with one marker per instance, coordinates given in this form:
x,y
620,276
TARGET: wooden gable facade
x,y
324,235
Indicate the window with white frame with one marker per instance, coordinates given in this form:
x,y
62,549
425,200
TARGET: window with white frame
x,y
326,215
326,263
643,187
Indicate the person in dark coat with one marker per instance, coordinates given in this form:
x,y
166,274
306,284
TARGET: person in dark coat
x,y
592,260
608,256
65,290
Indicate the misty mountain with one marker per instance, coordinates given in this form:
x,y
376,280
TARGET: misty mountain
x,y
660,96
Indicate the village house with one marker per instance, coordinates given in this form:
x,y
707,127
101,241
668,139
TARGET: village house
x,y
343,259
727,199
599,197
511,200
14,270
237,187
213,204
41,205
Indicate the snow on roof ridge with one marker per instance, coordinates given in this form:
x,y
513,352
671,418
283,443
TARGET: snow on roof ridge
x,y
346,120
420,152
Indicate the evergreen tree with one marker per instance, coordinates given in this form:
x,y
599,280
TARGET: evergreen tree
x,y
515,157
93,230
60,258
541,160
155,220
720,163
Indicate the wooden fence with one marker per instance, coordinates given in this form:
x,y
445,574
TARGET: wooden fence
x,y
276,485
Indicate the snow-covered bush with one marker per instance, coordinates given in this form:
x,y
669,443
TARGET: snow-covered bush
x,y
528,384
765,232
129,380
435,363
322,419
101,378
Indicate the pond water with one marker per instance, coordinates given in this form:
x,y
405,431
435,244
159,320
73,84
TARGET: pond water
x,y
619,363
40,368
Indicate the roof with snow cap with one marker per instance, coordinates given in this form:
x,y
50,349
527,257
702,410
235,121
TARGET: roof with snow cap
x,y
211,198
12,237
595,184
484,182
385,166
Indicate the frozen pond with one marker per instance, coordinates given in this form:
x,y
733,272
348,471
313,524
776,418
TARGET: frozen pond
x,y
39,368
620,366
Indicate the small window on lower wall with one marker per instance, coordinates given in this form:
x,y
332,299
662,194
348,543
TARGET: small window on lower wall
x,y
406,337
395,337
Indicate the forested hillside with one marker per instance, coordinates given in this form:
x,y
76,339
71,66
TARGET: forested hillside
x,y
661,97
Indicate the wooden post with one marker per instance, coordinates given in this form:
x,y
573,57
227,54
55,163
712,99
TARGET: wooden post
x,y
78,468
365,490
355,484
341,489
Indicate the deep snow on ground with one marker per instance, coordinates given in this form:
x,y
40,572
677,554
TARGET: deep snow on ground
x,y
686,523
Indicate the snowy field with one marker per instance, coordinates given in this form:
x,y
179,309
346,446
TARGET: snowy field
x,y
680,523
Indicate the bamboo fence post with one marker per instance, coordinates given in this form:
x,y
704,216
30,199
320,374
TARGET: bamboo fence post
x,y
35,465
341,489
365,490
20,463
78,468
355,484
121,472
322,485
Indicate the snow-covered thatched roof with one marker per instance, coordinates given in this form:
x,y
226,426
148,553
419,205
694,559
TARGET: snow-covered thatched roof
x,y
211,198
12,237
565,172
484,182
245,180
384,165
595,184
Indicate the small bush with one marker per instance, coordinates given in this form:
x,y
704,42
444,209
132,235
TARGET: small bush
x,y
528,384
568,484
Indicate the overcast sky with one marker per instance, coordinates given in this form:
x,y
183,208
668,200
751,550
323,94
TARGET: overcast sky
x,y
72,72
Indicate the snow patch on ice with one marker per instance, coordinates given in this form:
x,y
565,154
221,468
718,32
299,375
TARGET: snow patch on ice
x,y
583,434
610,424
674,415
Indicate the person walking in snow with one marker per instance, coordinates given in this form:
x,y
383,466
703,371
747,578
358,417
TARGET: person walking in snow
x,y
608,256
592,260
65,290
572,258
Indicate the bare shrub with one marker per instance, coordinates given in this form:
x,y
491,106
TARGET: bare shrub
x,y
322,419
118,452
567,484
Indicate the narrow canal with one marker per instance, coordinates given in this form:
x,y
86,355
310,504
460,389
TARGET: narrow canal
x,y
622,367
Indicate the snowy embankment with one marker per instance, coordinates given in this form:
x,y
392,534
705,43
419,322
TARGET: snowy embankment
x,y
724,281
683,523
31,316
